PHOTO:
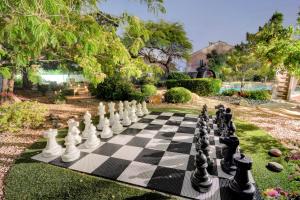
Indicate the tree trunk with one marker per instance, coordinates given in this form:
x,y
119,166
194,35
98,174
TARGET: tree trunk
x,y
26,83
242,84
4,90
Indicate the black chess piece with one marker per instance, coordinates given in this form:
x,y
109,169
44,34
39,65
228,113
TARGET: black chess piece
x,y
231,129
227,120
220,109
200,178
204,113
240,185
205,148
227,163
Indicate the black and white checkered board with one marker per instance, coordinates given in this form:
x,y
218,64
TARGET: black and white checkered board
x,y
157,153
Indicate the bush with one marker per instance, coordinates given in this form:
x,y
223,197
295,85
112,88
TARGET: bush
x,y
178,95
263,95
14,117
161,84
68,92
229,92
138,96
149,90
178,76
200,86
113,88
43,88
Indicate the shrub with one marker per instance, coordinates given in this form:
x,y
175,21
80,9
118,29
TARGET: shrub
x,y
229,92
257,95
68,92
178,95
200,86
60,98
161,84
138,96
14,117
43,88
149,90
178,76
113,88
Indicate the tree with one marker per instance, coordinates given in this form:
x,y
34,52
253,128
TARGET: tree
x,y
217,62
167,43
242,62
276,46
35,31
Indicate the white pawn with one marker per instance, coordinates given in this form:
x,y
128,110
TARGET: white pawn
x,y
87,122
106,133
133,105
52,149
73,129
121,110
126,105
93,141
139,111
111,108
72,152
101,116
133,116
126,120
144,108
117,126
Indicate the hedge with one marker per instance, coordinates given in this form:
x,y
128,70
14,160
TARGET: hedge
x,y
200,86
178,76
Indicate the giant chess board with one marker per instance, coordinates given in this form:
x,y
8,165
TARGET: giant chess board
x,y
157,153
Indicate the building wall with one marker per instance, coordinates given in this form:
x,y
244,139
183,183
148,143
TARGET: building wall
x,y
200,57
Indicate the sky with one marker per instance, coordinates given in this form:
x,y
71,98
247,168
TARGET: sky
x,y
212,20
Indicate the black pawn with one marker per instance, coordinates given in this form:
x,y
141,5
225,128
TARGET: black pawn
x,y
240,185
227,163
205,148
200,178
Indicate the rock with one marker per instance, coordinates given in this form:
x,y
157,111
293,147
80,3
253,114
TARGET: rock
x,y
275,152
274,166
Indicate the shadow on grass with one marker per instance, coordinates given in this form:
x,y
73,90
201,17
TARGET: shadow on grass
x,y
149,195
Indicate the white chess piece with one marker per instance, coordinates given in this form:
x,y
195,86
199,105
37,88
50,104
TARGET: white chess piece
x,y
72,152
93,141
121,110
139,111
117,126
144,108
126,105
87,122
133,103
107,132
73,129
111,106
52,149
101,113
126,120
133,116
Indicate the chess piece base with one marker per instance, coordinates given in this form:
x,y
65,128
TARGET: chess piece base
x,y
69,157
246,193
90,145
107,135
57,151
229,169
200,186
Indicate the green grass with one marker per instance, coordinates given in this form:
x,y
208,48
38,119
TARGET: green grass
x,y
256,143
32,180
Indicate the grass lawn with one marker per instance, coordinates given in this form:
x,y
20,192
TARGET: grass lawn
x,y
32,180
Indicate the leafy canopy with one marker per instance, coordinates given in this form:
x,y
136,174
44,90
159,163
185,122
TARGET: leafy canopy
x,y
34,31
276,46
165,43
